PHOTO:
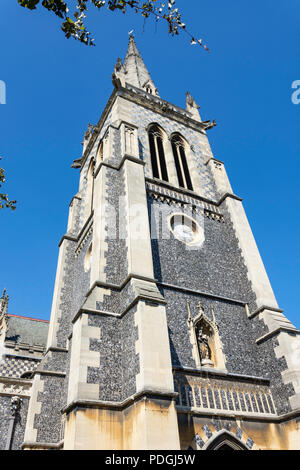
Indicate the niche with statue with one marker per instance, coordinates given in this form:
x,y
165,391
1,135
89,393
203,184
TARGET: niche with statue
x,y
204,334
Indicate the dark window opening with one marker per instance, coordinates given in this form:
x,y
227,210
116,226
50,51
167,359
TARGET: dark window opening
x,y
158,161
183,174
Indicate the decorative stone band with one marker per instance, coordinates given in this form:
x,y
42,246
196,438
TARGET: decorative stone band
x,y
25,348
171,196
15,387
223,396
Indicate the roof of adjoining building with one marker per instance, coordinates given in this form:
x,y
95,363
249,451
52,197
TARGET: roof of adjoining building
x,y
26,330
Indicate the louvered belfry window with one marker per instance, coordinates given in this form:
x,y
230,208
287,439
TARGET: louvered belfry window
x,y
182,169
158,161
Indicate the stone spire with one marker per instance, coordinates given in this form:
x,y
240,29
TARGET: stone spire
x,y
136,71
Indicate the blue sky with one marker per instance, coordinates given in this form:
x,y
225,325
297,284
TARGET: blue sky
x,y
55,87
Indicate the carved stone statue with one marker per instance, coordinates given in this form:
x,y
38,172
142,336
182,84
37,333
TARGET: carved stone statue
x,y
15,405
203,344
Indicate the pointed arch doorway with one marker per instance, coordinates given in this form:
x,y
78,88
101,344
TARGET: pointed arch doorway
x,y
225,441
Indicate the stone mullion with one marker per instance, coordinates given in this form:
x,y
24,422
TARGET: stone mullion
x,y
226,399
220,398
233,401
237,391
262,402
200,397
250,401
194,395
256,401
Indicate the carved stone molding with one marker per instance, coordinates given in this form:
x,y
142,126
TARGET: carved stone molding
x,y
15,387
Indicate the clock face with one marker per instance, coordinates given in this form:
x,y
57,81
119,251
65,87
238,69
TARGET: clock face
x,y
184,233
187,230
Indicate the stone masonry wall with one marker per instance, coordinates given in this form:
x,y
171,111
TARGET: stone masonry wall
x,y
20,422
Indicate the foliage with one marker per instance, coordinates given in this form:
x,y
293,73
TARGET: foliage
x,y
4,201
75,26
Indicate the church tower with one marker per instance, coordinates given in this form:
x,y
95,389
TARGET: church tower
x,y
164,331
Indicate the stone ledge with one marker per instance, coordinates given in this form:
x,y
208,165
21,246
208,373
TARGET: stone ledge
x,y
205,294
144,394
42,445
227,414
268,418
49,372
176,189
118,315
215,160
228,195
119,287
280,329
56,349
224,374
80,234
262,308
126,157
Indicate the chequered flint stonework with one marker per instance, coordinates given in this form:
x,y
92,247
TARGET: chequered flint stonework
x,y
14,366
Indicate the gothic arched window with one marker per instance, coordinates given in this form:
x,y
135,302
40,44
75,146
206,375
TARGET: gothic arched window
x,y
158,161
182,169
99,157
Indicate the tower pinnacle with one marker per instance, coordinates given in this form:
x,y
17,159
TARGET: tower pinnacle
x,y
136,71
3,303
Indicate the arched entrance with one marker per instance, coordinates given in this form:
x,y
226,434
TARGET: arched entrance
x,y
225,441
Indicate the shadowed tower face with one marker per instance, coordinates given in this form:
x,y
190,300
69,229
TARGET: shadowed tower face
x,y
164,332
